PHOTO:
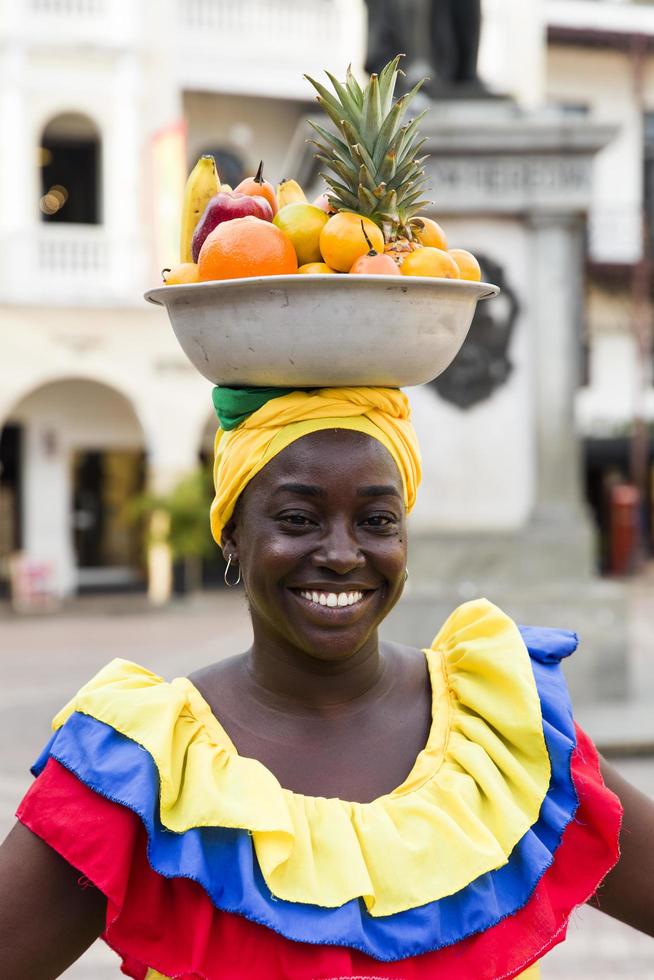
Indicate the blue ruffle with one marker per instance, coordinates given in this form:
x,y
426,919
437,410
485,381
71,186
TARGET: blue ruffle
x,y
224,863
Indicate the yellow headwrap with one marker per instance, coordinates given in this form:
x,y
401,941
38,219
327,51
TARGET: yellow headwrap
x,y
240,454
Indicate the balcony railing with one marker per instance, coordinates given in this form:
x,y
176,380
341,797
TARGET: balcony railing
x,y
77,256
70,8
69,22
265,46
72,265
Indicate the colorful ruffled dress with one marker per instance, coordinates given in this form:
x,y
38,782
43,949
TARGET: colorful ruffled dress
x,y
212,871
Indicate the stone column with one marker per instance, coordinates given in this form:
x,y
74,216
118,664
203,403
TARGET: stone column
x,y
47,496
556,241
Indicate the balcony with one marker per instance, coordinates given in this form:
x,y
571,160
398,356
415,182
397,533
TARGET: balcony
x,y
76,265
608,17
68,23
263,47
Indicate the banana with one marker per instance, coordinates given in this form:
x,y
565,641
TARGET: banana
x,y
290,192
203,182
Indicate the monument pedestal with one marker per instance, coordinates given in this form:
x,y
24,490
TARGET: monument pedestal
x,y
540,576
501,510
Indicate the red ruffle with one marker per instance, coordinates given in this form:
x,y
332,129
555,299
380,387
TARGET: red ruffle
x,y
171,925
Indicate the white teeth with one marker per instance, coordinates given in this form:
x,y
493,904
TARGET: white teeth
x,y
333,599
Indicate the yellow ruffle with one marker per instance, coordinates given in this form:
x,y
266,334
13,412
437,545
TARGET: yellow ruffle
x,y
474,791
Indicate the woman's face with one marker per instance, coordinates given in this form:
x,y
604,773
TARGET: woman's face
x,y
321,539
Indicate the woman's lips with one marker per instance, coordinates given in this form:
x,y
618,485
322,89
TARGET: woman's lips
x,y
333,602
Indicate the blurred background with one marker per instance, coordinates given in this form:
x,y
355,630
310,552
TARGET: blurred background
x,y
538,443
105,106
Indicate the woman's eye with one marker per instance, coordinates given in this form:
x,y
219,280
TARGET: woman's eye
x,y
380,520
295,520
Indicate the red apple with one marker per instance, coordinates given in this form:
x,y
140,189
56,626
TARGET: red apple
x,y
225,206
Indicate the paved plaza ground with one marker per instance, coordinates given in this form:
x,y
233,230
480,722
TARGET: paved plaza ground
x,y
43,660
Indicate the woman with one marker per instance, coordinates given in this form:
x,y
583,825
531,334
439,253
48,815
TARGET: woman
x,y
323,805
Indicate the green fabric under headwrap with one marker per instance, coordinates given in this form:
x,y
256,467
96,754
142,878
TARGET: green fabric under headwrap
x,y
234,405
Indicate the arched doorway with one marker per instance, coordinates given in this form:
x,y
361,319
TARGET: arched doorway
x,y
70,154
71,458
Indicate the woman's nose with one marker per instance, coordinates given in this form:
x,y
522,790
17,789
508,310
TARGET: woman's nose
x,y
339,550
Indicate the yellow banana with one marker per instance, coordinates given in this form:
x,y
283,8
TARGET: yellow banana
x,y
290,192
203,182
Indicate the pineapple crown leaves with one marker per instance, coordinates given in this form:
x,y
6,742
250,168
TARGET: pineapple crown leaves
x,y
372,161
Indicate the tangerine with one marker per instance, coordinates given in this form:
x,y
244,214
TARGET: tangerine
x,y
181,274
430,262
246,247
316,268
253,186
468,265
430,234
343,239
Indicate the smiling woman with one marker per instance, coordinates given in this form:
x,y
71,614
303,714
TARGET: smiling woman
x,y
324,805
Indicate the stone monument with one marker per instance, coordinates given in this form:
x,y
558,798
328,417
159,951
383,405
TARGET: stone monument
x,y
501,511
440,39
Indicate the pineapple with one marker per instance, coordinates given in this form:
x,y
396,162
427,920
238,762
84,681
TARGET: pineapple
x,y
375,170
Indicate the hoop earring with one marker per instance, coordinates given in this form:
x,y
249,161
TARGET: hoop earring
x,y
406,574
230,585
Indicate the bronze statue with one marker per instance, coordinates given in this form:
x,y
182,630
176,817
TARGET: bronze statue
x,y
439,37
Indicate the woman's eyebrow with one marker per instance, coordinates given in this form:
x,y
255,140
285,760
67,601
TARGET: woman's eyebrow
x,y
302,489
378,491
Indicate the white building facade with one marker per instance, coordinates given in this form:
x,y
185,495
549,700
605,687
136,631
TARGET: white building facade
x,y
600,66
104,105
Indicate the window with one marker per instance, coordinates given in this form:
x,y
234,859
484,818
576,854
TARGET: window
x,y
70,165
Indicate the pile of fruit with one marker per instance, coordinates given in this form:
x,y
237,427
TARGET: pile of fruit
x,y
367,223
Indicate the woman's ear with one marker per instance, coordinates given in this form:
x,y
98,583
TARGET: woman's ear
x,y
228,540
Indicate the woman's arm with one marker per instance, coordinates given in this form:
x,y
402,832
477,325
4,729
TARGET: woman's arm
x,y
46,919
627,893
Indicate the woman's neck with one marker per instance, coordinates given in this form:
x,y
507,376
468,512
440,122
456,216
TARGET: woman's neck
x,y
291,680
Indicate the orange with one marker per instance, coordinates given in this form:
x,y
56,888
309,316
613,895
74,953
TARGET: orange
x,y
246,247
430,262
316,269
181,274
468,265
342,240
431,234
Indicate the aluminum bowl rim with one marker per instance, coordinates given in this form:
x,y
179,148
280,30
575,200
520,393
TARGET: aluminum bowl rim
x,y
482,290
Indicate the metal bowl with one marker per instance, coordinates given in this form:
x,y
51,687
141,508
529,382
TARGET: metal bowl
x,y
321,331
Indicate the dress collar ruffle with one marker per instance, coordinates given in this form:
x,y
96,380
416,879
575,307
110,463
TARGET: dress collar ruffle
x,y
473,793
